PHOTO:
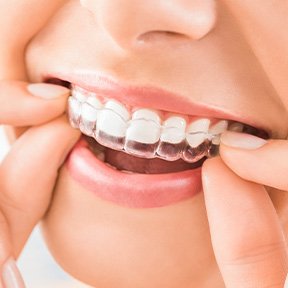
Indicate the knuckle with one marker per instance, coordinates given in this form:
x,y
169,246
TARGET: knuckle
x,y
257,255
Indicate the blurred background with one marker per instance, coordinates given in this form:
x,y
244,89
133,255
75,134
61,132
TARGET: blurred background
x,y
36,264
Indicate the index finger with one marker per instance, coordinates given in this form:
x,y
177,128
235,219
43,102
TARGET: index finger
x,y
246,234
18,107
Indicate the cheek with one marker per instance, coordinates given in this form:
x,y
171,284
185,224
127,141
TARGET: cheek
x,y
106,245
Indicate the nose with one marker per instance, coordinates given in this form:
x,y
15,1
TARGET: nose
x,y
130,22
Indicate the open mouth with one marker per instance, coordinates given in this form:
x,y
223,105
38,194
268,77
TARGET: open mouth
x,y
150,157
143,140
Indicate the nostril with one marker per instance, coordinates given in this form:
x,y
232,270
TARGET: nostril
x,y
158,36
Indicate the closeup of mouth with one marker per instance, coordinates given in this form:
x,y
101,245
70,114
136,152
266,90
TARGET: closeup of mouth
x,y
134,149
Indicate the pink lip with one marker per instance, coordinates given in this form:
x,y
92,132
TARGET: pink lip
x,y
131,190
145,96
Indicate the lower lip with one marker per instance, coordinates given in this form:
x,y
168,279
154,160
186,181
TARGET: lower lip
x,y
131,190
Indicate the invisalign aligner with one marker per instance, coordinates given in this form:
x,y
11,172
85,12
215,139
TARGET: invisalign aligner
x,y
143,135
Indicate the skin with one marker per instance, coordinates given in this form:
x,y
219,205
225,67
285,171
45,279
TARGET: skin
x,y
119,247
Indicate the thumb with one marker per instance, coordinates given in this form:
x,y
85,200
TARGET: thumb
x,y
246,234
28,175
255,159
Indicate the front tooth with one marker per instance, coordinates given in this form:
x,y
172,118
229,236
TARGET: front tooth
x,y
197,132
89,113
112,125
172,138
119,108
173,130
143,133
146,114
216,130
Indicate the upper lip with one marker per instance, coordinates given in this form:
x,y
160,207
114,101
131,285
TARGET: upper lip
x,y
150,97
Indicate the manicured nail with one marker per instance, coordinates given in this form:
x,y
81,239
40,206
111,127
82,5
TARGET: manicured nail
x,y
242,140
47,91
11,275
286,282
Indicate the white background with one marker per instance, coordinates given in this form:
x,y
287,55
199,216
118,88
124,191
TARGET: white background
x,y
36,264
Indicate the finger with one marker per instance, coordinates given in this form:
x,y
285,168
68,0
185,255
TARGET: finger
x,y
26,105
247,239
11,276
255,159
6,261
28,175
265,25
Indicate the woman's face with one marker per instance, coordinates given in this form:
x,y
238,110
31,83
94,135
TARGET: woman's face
x,y
195,50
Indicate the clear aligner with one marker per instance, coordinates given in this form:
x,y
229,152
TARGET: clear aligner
x,y
142,133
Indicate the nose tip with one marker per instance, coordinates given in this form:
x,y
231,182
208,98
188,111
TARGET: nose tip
x,y
150,21
202,21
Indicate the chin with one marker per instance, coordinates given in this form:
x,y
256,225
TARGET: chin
x,y
104,244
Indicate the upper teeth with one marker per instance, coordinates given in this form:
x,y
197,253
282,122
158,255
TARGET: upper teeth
x,y
143,132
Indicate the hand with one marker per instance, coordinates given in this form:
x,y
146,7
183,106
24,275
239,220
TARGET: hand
x,y
247,237
29,172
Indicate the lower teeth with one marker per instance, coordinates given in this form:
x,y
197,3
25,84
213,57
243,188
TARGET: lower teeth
x,y
129,164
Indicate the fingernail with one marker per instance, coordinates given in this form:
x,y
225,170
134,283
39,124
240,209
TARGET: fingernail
x,y
242,140
11,275
47,91
286,282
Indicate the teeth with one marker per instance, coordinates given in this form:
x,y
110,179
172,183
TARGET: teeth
x,y
111,166
112,125
117,107
217,129
101,156
89,114
172,138
74,111
88,119
127,172
94,102
173,130
192,155
77,94
236,127
143,133
197,132
146,114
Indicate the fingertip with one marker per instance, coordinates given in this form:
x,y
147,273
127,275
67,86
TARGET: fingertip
x,y
241,140
212,167
11,275
211,163
47,91
24,109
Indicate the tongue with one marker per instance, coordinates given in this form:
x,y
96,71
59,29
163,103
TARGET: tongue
x,y
123,161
